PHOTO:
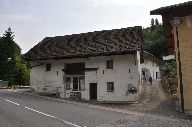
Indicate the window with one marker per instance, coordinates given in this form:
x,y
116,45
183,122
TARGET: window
x,y
110,86
75,69
68,83
79,83
82,83
48,67
109,64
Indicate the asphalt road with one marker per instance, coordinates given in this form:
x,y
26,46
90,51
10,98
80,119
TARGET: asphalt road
x,y
19,110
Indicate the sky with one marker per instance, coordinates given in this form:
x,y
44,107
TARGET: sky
x,y
33,20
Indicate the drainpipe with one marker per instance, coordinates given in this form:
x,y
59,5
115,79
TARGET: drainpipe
x,y
180,73
175,23
64,82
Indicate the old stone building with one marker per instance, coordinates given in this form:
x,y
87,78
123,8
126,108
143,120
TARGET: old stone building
x,y
177,21
100,65
150,66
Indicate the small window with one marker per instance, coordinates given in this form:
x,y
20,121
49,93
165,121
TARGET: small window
x,y
68,83
82,83
110,86
48,67
109,64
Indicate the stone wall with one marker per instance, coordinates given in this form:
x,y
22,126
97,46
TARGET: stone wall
x,y
185,45
125,72
150,66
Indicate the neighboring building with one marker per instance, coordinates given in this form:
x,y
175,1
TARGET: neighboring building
x,y
100,65
4,84
177,20
150,66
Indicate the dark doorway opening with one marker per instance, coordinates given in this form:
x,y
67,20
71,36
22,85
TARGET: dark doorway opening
x,y
156,75
143,73
93,91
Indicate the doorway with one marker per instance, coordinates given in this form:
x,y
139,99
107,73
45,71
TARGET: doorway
x,y
157,75
93,91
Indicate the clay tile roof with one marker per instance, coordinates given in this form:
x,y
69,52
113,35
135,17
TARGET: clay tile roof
x,y
98,43
170,9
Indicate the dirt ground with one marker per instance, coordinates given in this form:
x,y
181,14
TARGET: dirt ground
x,y
155,101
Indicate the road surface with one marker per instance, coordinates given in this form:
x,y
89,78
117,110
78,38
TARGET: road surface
x,y
20,110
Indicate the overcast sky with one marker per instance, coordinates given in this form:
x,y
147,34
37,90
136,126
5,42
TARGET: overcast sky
x,y
33,20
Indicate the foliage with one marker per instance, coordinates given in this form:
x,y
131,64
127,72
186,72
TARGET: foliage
x,y
154,39
13,68
168,68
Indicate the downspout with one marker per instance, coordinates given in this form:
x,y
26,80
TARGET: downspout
x,y
64,82
180,72
140,58
175,22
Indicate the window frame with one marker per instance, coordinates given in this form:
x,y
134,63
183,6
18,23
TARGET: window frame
x,y
68,86
48,66
110,87
79,83
109,64
81,89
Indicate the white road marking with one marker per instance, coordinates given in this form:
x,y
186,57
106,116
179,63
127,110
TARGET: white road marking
x,y
12,102
45,114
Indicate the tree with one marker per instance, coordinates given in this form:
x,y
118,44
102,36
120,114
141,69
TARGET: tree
x,y
156,22
8,50
152,24
13,68
168,68
154,39
9,34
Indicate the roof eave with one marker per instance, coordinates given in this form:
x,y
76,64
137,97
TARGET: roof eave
x,y
154,12
175,10
84,56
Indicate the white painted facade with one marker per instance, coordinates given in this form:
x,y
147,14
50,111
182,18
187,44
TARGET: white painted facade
x,y
126,74
150,66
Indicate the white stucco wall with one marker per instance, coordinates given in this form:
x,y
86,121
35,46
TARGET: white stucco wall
x,y
150,65
119,75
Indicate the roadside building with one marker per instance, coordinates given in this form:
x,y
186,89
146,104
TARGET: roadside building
x,y
100,65
150,66
4,84
177,22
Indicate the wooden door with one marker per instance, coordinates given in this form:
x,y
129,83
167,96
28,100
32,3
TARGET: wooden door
x,y
93,91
